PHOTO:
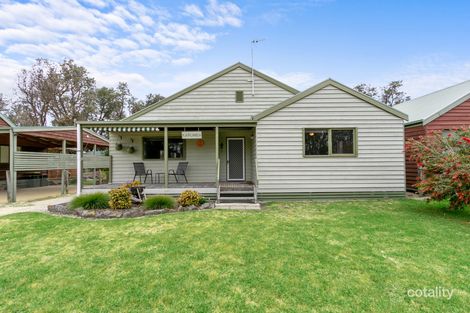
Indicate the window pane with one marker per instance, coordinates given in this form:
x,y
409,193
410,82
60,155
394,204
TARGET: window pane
x,y
175,148
342,141
316,142
153,148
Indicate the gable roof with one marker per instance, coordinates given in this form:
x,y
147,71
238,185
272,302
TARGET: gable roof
x,y
429,107
6,120
330,82
207,80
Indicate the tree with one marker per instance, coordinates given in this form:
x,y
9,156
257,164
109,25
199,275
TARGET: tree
x,y
368,90
390,94
61,92
34,94
3,104
110,103
73,94
137,105
445,164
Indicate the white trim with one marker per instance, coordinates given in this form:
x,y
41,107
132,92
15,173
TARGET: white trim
x,y
79,159
228,158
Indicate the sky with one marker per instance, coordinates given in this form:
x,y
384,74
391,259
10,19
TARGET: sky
x,y
165,46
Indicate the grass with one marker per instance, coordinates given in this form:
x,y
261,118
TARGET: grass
x,y
344,256
91,201
159,202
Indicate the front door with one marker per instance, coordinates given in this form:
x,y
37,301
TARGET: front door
x,y
235,159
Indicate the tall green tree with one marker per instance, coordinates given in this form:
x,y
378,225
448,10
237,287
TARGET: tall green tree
x,y
110,103
136,105
391,94
34,94
73,94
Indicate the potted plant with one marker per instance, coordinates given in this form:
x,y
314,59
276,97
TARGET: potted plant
x,y
136,188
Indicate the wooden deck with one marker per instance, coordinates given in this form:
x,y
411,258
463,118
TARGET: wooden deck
x,y
207,189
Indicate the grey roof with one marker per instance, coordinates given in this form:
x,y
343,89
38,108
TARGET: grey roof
x,y
429,107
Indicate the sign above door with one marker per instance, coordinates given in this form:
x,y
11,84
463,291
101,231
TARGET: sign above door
x,y
191,135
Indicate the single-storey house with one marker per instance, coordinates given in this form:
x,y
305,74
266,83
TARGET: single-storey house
x,y
240,131
442,110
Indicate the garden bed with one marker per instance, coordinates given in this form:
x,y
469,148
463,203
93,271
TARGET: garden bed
x,y
64,209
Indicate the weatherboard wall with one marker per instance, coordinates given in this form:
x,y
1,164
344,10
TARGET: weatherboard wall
x,y
412,173
379,164
202,165
455,118
215,100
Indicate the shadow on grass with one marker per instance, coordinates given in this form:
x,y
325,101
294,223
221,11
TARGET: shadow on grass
x,y
439,209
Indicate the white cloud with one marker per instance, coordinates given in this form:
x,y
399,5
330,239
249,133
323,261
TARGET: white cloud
x,y
181,36
9,70
215,14
298,80
96,3
430,73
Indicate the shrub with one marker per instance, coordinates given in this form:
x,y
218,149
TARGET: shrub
x,y
92,201
120,198
135,183
202,200
445,162
189,197
159,202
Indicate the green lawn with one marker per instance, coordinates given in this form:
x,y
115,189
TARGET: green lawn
x,y
344,256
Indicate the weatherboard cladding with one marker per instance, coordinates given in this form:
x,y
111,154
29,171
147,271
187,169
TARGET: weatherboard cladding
x,y
202,166
411,167
379,165
457,117
215,100
437,103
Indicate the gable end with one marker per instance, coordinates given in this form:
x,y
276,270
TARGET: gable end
x,y
330,82
207,80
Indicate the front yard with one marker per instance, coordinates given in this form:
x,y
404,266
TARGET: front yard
x,y
299,257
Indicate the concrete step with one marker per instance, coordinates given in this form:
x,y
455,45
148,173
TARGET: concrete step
x,y
238,206
236,192
221,198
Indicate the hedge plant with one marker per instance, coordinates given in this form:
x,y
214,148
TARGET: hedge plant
x,y
189,197
120,198
91,201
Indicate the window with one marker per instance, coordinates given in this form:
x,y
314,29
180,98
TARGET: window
x,y
154,148
324,142
316,142
239,96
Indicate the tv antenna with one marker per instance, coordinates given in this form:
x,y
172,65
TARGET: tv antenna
x,y
253,43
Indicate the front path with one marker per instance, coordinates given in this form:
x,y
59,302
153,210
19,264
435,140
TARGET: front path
x,y
33,206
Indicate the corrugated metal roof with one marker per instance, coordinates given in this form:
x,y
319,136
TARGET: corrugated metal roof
x,y
428,107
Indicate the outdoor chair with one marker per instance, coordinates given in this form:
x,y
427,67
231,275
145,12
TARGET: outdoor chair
x,y
180,171
139,170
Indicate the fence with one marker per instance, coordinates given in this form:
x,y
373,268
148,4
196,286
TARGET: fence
x,y
35,161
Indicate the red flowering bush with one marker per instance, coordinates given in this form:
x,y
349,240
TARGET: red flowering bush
x,y
445,162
